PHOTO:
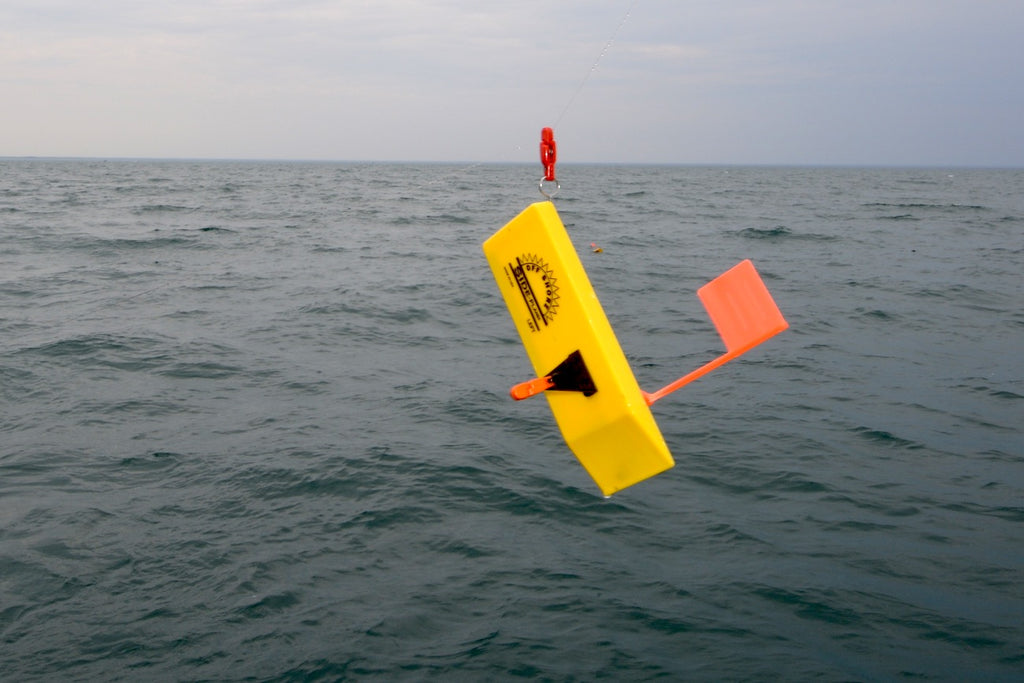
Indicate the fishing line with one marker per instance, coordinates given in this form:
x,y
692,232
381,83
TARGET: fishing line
x,y
593,67
460,171
548,147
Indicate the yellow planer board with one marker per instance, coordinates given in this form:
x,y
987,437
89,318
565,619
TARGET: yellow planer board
x,y
593,394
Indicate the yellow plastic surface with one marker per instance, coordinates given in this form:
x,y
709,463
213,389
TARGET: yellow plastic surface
x,y
556,312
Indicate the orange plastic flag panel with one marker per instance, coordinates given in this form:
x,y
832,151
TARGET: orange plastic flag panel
x,y
741,308
744,314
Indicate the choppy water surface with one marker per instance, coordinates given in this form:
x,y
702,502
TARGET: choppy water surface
x,y
255,425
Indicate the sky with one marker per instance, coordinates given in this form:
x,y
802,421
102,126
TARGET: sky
x,y
816,82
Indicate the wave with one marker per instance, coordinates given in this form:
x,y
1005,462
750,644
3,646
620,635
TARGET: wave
x,y
292,451
779,233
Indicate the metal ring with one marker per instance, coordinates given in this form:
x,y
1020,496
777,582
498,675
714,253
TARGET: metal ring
x,y
549,195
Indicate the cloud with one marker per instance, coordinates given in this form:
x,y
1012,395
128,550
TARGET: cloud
x,y
460,79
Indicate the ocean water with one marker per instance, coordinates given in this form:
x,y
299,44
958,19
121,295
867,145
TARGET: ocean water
x,y
254,425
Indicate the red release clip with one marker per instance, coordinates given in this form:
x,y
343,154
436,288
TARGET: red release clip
x,y
548,153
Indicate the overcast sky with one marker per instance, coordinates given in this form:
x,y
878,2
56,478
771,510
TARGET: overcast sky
x,y
887,82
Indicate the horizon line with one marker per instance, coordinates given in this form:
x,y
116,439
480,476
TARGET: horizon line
x,y
438,162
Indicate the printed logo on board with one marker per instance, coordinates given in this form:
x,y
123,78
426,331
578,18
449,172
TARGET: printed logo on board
x,y
538,285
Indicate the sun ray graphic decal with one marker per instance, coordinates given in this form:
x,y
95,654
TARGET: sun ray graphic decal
x,y
539,287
